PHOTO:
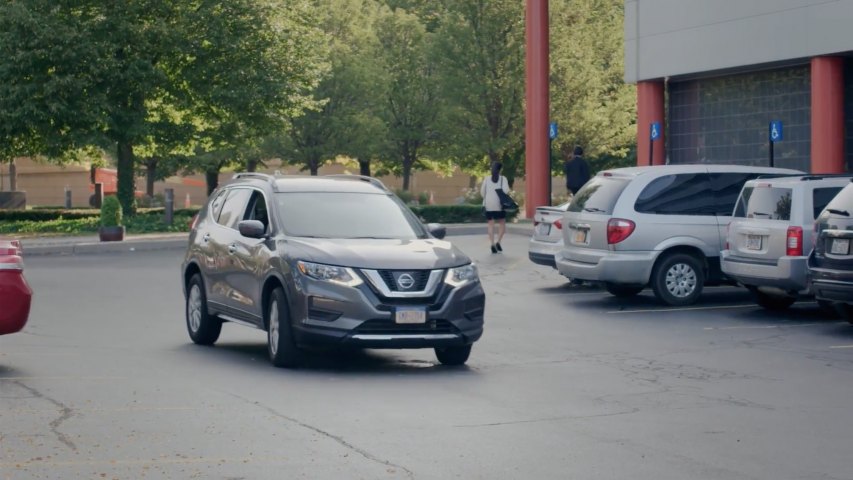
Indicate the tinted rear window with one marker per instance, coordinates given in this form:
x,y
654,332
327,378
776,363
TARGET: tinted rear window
x,y
844,200
821,197
765,203
599,195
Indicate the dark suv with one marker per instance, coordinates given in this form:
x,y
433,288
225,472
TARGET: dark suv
x,y
335,260
831,261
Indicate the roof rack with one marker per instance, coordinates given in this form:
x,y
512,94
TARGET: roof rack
x,y
362,178
818,176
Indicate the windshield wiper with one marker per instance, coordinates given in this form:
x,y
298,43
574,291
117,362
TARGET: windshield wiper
x,y
761,213
592,209
838,212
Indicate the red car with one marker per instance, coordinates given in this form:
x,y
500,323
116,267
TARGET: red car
x,y
15,293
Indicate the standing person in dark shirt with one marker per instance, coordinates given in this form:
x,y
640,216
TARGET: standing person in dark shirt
x,y
576,170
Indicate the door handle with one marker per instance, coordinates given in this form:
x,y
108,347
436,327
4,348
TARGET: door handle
x,y
206,237
232,248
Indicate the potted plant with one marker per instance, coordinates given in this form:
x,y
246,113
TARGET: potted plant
x,y
111,228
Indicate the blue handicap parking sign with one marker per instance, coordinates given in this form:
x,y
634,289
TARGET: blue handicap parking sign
x,y
552,130
776,131
654,131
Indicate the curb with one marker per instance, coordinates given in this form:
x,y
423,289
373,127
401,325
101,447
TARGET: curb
x,y
141,244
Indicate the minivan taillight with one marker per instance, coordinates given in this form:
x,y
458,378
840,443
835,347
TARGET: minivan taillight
x,y
794,242
619,229
558,224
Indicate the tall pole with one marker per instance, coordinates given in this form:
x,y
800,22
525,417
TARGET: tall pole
x,y
537,171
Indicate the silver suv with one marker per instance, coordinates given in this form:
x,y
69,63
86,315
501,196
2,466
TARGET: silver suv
x,y
662,226
770,236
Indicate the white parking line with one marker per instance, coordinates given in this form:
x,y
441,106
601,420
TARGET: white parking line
x,y
682,309
840,346
762,327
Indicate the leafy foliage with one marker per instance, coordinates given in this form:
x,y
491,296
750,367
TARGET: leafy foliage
x,y
111,213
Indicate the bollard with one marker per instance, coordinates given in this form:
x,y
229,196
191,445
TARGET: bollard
x,y
98,199
170,206
67,197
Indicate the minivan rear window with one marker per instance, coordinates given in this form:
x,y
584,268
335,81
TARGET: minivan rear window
x,y
768,203
599,195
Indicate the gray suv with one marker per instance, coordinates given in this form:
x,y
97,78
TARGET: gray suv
x,y
336,260
831,260
770,236
660,226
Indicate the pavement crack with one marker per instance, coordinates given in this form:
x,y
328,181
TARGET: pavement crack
x,y
65,413
367,455
550,419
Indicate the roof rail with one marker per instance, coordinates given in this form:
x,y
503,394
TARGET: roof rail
x,y
255,176
780,175
362,178
818,176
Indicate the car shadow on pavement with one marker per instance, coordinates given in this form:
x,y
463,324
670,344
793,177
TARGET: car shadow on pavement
x,y
393,362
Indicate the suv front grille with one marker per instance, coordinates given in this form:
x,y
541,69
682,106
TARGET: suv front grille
x,y
392,279
389,327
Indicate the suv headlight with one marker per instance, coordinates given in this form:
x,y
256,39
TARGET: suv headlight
x,y
461,275
340,275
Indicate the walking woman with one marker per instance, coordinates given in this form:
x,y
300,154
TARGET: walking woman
x,y
492,205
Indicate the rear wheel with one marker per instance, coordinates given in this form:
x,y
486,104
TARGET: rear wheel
x,y
622,291
203,327
281,346
827,308
453,355
678,279
770,301
845,310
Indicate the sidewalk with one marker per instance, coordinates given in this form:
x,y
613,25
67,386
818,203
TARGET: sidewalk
x,y
79,245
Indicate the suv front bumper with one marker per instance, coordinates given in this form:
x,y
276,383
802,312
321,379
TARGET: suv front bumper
x,y
788,273
359,317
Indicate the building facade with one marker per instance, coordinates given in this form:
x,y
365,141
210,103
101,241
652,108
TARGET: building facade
x,y
715,74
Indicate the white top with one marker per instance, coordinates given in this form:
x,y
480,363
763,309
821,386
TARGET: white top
x,y
490,197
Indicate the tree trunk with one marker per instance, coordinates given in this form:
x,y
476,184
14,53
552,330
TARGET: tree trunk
x,y
252,164
13,176
364,167
150,176
314,167
126,187
407,172
212,179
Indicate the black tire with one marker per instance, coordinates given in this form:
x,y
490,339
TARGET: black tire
x,y
623,291
203,327
827,308
678,279
453,355
281,346
771,302
845,311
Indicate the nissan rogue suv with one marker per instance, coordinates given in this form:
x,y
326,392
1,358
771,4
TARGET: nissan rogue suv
x,y
336,260
831,261
770,237
660,226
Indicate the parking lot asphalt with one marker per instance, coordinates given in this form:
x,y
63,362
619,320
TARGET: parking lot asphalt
x,y
567,382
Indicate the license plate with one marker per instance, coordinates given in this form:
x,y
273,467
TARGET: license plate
x,y
543,229
840,246
753,242
410,315
580,236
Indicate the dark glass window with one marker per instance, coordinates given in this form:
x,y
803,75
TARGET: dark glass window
x,y
258,210
821,197
235,207
843,201
682,194
725,120
726,188
768,203
598,195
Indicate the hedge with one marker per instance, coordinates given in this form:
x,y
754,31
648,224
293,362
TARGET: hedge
x,y
453,213
44,214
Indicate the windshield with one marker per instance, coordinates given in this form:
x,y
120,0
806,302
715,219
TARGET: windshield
x,y
346,215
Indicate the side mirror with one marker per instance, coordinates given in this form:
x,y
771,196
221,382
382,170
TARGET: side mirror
x,y
252,229
437,230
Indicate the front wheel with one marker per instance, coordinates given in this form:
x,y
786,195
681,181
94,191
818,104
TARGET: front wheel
x,y
678,279
203,327
772,302
623,291
453,355
281,346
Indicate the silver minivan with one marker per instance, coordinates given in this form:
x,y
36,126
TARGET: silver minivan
x,y
660,226
770,236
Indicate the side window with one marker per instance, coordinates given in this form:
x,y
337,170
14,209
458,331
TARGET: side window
x,y
258,210
682,194
235,205
743,201
216,204
726,187
821,197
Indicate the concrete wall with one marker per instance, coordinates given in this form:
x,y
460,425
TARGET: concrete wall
x,y
665,38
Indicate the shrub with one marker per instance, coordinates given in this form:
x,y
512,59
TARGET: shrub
x,y
111,212
405,195
453,213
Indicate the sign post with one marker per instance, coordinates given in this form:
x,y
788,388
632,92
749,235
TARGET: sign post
x,y
654,134
775,134
552,134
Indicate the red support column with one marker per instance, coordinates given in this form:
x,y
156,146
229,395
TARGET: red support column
x,y
650,109
537,169
827,115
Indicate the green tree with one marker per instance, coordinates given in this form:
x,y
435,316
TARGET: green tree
x,y
589,98
131,73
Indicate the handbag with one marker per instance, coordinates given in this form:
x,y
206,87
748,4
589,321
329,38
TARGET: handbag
x,y
507,203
